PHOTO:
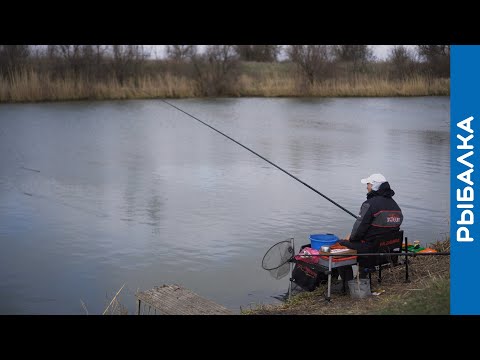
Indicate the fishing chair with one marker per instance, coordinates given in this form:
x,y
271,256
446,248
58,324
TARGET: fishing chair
x,y
389,245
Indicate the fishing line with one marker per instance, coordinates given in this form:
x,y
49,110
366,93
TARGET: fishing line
x,y
260,156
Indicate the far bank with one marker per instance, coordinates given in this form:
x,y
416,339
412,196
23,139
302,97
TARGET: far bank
x,y
39,87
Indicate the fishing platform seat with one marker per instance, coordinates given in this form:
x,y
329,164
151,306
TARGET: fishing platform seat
x,y
388,245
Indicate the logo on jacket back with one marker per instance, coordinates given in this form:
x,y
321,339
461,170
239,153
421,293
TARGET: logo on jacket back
x,y
393,219
388,218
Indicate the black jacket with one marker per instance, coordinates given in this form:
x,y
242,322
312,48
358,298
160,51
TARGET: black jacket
x,y
379,214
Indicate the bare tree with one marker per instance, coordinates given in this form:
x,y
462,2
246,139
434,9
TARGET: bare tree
x,y
127,61
437,58
402,60
36,51
429,52
263,53
215,69
310,60
70,52
71,55
356,55
52,51
100,52
88,52
13,57
181,52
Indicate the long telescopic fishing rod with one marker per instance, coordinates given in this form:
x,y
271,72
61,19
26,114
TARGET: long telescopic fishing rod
x,y
260,156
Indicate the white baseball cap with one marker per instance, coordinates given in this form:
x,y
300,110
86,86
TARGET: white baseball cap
x,y
375,179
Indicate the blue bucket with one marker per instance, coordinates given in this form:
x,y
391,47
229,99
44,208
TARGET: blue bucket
x,y
319,240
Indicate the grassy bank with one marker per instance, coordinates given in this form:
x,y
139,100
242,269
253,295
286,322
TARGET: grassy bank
x,y
427,293
361,86
31,86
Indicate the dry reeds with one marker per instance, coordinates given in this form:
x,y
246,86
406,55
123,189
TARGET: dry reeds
x,y
30,86
115,307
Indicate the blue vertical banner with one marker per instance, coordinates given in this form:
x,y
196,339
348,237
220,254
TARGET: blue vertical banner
x,y
464,189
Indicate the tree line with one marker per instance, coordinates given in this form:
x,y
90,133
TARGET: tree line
x,y
217,66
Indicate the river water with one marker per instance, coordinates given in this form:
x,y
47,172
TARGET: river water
x,y
94,195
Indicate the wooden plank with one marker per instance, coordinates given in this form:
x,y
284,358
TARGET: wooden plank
x,y
176,300
185,302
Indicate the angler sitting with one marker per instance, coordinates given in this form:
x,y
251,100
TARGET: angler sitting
x,y
379,215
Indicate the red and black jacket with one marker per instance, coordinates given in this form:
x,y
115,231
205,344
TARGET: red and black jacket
x,y
379,215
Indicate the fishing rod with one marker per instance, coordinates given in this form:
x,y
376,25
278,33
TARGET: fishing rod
x,y
260,156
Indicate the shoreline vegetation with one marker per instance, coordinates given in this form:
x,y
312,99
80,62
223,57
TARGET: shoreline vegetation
x,y
35,87
101,72
427,293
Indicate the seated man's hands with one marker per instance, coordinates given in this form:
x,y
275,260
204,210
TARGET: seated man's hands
x,y
344,243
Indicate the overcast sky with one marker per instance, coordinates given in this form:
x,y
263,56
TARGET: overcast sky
x,y
380,51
